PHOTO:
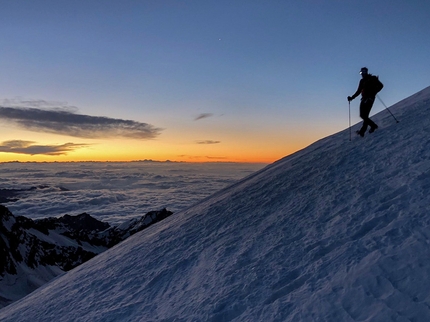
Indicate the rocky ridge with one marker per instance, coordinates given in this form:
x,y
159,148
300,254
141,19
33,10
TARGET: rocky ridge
x,y
36,251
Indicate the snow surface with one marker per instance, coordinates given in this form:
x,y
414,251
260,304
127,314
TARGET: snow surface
x,y
339,231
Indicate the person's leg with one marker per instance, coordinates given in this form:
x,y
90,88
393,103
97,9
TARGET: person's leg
x,y
372,124
364,114
365,107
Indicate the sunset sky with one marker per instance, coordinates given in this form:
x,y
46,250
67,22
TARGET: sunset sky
x,y
197,81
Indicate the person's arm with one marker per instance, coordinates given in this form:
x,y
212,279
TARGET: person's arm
x,y
359,90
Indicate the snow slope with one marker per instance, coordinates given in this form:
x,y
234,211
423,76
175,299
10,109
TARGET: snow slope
x,y
339,231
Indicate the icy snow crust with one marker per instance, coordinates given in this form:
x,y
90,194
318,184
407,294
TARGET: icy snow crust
x,y
338,231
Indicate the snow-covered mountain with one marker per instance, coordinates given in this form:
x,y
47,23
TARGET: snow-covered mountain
x,y
32,252
339,231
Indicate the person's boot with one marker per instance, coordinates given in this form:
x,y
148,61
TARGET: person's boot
x,y
373,128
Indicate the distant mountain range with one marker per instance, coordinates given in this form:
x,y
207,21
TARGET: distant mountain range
x,y
36,251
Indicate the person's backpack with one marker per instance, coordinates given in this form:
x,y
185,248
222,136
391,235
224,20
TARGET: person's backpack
x,y
375,84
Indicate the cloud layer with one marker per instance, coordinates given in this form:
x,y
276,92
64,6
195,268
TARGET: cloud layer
x,y
59,121
114,191
27,147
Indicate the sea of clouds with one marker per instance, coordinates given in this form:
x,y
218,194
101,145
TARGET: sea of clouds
x,y
114,191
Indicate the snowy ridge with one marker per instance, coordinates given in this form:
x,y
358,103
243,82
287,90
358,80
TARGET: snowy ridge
x,y
339,231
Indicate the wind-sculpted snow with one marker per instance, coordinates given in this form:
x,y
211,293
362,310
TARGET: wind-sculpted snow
x,y
339,231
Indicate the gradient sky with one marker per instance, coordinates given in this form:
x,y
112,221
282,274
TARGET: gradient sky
x,y
246,81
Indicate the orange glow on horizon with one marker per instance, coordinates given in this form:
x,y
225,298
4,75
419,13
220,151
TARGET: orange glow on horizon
x,y
250,148
125,155
11,157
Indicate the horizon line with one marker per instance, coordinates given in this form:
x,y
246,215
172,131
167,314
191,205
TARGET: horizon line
x,y
135,161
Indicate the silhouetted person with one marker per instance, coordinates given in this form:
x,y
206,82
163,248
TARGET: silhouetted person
x,y
368,93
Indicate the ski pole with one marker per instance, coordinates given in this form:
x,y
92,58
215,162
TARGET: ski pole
x,y
349,105
387,108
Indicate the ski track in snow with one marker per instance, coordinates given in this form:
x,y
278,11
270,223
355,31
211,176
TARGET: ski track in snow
x,y
339,231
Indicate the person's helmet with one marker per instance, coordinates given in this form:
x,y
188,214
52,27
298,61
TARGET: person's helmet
x,y
364,71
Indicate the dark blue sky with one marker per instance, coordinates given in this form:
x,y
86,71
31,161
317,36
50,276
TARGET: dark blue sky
x,y
273,75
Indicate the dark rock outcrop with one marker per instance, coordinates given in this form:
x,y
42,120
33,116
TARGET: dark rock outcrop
x,y
35,251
